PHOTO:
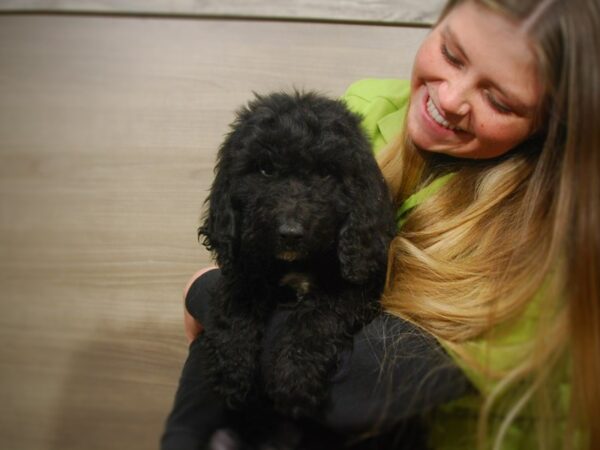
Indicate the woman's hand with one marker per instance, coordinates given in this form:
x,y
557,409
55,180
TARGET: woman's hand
x,y
192,327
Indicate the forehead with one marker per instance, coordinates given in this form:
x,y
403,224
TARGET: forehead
x,y
497,47
291,145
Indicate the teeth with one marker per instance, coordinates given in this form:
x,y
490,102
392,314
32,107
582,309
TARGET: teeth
x,y
435,115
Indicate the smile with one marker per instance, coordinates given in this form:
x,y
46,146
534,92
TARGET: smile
x,y
437,116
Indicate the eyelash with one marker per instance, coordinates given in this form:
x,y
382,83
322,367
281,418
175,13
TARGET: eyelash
x,y
502,109
455,62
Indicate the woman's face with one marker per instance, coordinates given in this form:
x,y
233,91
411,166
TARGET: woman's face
x,y
475,88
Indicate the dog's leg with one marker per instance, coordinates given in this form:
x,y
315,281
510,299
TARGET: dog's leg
x,y
235,347
307,350
231,342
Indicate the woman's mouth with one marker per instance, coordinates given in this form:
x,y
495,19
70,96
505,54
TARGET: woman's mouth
x,y
435,114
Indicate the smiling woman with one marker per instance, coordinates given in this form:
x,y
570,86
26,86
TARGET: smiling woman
x,y
465,103
501,263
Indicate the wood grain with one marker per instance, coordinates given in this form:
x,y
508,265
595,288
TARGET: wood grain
x,y
423,12
108,133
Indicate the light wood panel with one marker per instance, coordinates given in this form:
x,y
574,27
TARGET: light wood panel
x,y
386,11
108,132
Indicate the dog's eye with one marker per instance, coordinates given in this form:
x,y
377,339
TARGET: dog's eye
x,y
327,174
266,170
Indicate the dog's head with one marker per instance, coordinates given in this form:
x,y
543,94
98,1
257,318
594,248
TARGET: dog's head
x,y
296,179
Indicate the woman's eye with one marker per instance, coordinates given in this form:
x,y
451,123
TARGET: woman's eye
x,y
497,105
453,60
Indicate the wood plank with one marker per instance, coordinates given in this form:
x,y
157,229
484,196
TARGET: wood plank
x,y
423,12
108,134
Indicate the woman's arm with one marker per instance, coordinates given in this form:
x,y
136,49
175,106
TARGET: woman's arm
x,y
394,371
195,403
193,326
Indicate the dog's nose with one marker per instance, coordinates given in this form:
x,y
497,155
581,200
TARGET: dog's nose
x,y
291,232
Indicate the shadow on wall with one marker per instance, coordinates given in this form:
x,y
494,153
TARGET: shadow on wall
x,y
120,389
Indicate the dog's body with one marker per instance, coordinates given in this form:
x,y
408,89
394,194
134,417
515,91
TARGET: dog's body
x,y
299,219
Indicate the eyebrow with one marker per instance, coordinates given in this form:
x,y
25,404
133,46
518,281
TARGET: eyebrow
x,y
511,98
449,34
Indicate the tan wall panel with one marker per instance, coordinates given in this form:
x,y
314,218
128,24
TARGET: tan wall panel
x,y
388,11
108,133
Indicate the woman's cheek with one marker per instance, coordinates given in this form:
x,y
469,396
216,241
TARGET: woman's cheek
x,y
425,63
497,138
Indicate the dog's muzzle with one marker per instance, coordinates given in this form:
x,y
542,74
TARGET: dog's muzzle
x,y
290,235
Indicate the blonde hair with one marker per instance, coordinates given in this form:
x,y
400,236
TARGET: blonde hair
x,y
505,231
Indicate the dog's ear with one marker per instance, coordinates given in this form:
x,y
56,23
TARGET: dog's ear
x,y
370,226
219,229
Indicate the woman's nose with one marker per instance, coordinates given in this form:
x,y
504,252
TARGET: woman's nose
x,y
453,97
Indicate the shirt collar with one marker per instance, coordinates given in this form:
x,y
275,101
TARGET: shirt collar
x,y
391,125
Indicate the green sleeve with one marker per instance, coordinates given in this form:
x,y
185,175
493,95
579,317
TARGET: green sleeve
x,y
382,103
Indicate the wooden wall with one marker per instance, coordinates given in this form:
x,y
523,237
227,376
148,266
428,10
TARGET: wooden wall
x,y
108,130
406,12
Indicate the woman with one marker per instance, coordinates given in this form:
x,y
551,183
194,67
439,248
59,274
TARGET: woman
x,y
492,154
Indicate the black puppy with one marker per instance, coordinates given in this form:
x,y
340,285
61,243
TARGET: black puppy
x,y
299,220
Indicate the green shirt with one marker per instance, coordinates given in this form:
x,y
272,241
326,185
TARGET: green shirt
x,y
383,105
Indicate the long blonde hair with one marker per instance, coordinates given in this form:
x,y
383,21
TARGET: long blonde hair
x,y
505,231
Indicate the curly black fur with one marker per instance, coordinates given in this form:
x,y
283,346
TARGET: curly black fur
x,y
298,214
